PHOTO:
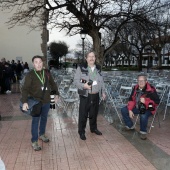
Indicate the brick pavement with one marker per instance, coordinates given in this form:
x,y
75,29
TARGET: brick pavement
x,y
111,151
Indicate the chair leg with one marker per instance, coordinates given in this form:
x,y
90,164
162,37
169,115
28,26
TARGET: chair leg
x,y
156,114
159,120
118,115
165,112
136,121
151,124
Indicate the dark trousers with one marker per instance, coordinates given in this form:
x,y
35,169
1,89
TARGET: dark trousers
x,y
3,89
8,83
89,107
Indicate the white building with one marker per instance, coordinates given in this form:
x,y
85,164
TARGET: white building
x,y
18,43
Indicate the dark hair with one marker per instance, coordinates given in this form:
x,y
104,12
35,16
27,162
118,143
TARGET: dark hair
x,y
36,56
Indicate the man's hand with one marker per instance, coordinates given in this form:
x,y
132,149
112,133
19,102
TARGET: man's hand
x,y
56,98
103,96
86,86
142,100
131,114
25,107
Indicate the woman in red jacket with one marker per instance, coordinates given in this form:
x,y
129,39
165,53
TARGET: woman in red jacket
x,y
143,100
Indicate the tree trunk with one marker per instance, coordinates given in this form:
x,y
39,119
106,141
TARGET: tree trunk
x,y
98,48
129,63
159,59
140,62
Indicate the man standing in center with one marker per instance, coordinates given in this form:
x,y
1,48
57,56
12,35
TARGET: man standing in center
x,y
90,84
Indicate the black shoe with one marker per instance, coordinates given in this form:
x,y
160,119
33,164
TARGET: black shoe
x,y
82,136
97,132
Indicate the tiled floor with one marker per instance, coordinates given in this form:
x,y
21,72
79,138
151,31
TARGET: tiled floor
x,y
111,151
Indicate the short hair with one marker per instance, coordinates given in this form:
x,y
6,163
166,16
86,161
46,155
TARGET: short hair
x,y
92,51
142,75
36,56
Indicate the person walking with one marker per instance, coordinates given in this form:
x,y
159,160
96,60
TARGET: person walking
x,y
18,70
90,84
33,87
8,76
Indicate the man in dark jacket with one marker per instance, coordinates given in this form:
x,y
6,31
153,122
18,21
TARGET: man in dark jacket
x,y
19,70
8,76
34,86
143,100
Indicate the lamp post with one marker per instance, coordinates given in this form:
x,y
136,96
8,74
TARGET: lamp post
x,y
83,36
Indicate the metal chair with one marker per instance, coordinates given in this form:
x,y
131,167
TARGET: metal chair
x,y
167,104
110,102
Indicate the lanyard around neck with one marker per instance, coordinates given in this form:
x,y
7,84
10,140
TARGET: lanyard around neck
x,y
42,79
93,73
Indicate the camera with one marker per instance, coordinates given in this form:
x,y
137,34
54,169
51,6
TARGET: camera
x,y
142,108
52,102
83,81
90,82
150,107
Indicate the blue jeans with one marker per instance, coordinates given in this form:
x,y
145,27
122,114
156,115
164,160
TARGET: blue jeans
x,y
143,118
39,122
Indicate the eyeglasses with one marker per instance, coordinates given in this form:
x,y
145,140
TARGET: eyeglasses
x,y
141,81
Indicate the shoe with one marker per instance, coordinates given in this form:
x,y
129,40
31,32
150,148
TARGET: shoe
x,y
126,128
8,91
143,136
97,132
82,136
35,146
44,138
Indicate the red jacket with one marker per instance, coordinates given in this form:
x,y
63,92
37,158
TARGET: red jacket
x,y
150,95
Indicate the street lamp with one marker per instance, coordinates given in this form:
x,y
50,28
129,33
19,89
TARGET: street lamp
x,y
83,36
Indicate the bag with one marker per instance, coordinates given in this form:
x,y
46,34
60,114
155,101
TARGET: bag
x,y
34,107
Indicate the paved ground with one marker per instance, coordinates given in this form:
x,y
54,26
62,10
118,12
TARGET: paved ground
x,y
114,150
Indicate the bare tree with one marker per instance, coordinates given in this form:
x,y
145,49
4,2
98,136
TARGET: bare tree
x,y
160,36
94,16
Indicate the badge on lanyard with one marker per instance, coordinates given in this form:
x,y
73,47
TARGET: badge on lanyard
x,y
94,83
42,88
41,78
